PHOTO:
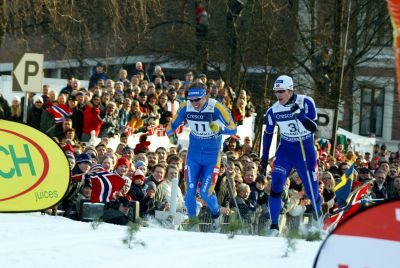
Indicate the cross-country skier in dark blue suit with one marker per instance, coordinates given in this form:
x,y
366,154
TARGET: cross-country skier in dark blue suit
x,y
296,117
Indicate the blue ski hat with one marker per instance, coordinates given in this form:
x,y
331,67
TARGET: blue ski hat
x,y
139,164
195,93
84,158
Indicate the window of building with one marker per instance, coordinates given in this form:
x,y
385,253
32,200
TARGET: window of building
x,y
372,108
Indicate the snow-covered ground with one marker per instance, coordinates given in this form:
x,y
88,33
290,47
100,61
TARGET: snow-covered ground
x,y
35,240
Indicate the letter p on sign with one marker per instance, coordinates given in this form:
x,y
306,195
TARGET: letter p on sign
x,y
28,73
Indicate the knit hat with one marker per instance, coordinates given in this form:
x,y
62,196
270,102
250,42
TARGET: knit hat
x,y
138,175
37,98
127,149
151,186
79,93
127,180
97,168
139,164
139,65
17,98
70,155
72,98
158,68
84,158
235,137
123,161
68,148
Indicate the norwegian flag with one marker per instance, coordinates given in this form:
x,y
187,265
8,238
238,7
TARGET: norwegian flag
x,y
104,185
354,204
60,112
161,130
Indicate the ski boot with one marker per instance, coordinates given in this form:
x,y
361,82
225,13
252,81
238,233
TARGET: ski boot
x,y
273,231
218,219
193,224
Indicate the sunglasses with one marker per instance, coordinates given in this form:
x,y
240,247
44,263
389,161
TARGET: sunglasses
x,y
279,91
195,100
38,102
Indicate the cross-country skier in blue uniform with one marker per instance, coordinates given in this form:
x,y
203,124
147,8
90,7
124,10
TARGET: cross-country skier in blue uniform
x,y
290,108
207,119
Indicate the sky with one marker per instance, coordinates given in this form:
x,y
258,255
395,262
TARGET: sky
x,y
35,240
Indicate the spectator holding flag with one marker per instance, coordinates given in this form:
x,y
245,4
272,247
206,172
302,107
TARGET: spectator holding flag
x,y
56,114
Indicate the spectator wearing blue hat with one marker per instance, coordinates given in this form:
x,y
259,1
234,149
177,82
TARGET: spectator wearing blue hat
x,y
139,164
83,164
127,152
97,74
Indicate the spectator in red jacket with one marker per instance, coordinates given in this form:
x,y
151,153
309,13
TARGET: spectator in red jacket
x,y
91,118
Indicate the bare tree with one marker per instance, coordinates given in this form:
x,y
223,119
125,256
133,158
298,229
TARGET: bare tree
x,y
80,29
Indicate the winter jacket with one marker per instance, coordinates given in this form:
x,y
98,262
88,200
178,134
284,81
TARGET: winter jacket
x,y
91,119
34,116
222,190
164,191
136,192
5,110
110,125
47,124
135,122
147,206
124,117
95,77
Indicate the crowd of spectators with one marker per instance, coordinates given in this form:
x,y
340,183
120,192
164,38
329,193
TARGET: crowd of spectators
x,y
134,104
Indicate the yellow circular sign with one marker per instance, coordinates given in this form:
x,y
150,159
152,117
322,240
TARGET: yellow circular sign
x,y
34,171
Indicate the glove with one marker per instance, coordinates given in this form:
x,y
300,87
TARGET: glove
x,y
295,110
214,127
173,139
263,166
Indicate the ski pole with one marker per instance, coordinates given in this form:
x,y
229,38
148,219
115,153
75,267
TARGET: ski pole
x,y
314,202
225,163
